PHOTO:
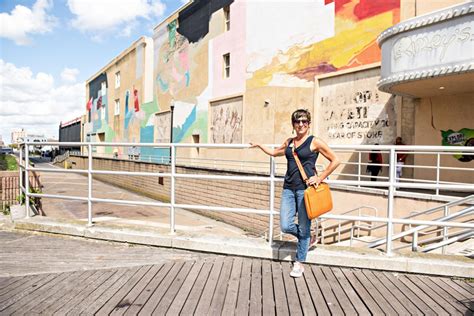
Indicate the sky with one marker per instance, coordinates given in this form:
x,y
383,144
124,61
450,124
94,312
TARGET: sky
x,y
49,48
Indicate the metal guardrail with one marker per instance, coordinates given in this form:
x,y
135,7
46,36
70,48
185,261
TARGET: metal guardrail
x,y
391,184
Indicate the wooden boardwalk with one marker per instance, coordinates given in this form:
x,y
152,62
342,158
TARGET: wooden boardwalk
x,y
232,285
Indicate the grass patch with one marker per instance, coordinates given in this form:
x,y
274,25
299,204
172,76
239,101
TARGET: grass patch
x,y
8,163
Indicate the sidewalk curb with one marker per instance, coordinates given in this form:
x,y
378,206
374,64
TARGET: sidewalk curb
x,y
421,263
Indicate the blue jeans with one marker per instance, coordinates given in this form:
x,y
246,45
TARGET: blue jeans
x,y
292,204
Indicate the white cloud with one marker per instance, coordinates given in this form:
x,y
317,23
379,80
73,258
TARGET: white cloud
x,y
35,102
112,16
23,21
69,75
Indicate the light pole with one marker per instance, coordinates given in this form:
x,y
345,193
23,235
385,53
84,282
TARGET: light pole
x,y
171,126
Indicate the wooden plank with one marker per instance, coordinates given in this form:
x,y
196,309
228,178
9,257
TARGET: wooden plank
x,y
316,294
243,299
8,282
103,275
344,301
208,292
303,293
356,302
111,291
173,289
196,291
134,300
394,278
457,287
374,292
97,292
326,290
30,301
387,295
425,298
217,302
468,286
184,291
230,301
290,288
24,290
281,303
454,294
114,301
27,283
450,305
268,301
362,292
60,290
256,288
400,295
142,286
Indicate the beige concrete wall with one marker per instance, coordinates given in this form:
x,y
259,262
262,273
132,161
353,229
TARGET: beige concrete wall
x,y
412,8
443,113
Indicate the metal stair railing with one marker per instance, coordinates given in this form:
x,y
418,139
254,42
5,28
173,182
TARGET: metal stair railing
x,y
415,230
444,207
323,236
459,237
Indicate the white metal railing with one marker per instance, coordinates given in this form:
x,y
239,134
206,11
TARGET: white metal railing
x,y
391,183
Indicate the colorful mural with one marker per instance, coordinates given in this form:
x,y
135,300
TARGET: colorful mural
x,y
355,25
463,137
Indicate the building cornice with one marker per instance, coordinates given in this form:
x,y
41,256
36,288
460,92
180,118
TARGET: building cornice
x,y
427,19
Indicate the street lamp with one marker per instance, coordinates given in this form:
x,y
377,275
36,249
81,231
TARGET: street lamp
x,y
171,126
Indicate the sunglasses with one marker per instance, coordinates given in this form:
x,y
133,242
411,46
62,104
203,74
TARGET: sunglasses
x,y
304,122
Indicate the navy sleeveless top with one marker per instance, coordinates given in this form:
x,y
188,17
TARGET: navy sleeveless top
x,y
293,177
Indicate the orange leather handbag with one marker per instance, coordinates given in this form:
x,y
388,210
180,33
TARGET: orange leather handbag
x,y
317,198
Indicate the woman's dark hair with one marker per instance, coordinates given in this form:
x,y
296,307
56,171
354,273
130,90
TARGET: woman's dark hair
x,y
299,114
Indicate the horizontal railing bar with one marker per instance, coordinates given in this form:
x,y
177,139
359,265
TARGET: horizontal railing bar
x,y
128,202
398,148
58,170
398,221
224,209
217,177
55,196
131,173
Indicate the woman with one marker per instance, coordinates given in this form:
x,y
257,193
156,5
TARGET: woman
x,y
292,199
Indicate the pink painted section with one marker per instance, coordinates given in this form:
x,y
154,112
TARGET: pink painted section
x,y
233,42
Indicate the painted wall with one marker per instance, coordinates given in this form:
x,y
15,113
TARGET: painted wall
x,y
439,114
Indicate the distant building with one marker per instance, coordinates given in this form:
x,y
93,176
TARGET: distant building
x,y
1,141
17,135
70,132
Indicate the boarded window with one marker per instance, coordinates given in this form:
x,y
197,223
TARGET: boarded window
x,y
226,119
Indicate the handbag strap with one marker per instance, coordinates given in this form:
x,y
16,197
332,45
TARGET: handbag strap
x,y
298,162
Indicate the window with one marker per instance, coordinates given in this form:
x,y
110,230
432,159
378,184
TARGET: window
x,y
227,18
103,88
117,107
117,79
226,65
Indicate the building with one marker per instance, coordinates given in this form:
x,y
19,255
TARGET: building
x,y
70,132
232,71
120,100
17,135
428,62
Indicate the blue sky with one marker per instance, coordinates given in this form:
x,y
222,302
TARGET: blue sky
x,y
49,48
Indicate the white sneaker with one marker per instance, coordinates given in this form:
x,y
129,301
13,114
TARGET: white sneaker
x,y
297,271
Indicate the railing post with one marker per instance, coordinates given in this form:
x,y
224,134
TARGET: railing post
x,y
20,180
173,188
414,242
445,230
27,182
359,169
89,185
272,199
391,192
437,174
